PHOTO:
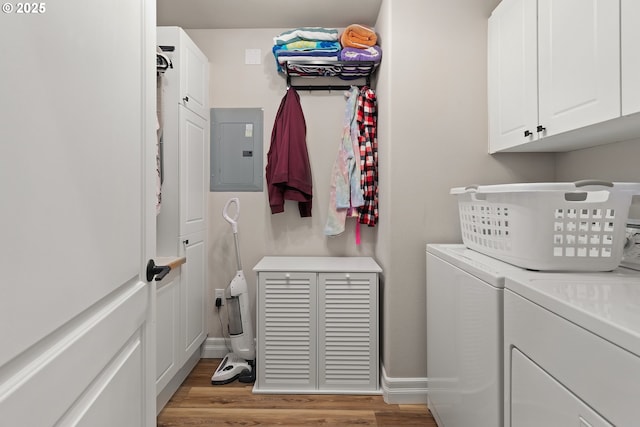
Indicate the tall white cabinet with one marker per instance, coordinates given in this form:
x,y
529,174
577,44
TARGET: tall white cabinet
x,y
317,325
554,74
182,220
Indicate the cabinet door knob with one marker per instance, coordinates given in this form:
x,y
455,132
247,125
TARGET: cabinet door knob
x,y
287,276
185,99
527,133
541,128
347,276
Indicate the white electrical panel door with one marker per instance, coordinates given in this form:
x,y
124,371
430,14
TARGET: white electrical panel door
x,y
193,173
537,399
347,331
287,347
579,63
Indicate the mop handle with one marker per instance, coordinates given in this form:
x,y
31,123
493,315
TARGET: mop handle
x,y
233,221
234,226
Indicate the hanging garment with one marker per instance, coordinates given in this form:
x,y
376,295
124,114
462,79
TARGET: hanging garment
x,y
367,124
288,171
159,138
345,190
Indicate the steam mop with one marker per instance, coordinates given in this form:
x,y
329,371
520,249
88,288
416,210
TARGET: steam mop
x,y
240,363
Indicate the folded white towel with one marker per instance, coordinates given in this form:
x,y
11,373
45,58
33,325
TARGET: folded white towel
x,y
307,33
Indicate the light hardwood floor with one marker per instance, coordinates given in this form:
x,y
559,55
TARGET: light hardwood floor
x,y
198,403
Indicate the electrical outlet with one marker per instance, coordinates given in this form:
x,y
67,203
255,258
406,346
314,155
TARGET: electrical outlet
x,y
219,294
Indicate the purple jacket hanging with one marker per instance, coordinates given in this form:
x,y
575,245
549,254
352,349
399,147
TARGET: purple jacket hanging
x,y
288,171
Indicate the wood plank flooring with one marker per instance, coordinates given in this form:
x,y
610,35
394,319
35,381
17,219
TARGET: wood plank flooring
x,y
198,403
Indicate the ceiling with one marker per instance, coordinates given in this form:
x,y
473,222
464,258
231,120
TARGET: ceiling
x,y
226,14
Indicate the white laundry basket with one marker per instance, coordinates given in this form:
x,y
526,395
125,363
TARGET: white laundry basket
x,y
548,226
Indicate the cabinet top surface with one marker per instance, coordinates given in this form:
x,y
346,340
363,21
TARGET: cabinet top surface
x,y
318,264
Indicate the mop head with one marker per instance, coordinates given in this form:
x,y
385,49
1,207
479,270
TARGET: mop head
x,y
232,368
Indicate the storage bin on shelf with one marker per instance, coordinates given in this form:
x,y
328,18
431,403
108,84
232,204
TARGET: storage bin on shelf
x,y
548,226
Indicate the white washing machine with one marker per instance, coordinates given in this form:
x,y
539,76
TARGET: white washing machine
x,y
572,349
464,336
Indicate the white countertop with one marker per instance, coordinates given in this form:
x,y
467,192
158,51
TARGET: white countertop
x,y
605,303
318,264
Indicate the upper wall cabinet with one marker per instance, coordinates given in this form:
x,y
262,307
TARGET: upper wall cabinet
x,y
630,10
185,141
193,70
554,74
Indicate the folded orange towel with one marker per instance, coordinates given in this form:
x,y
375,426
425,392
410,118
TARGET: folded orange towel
x,y
358,36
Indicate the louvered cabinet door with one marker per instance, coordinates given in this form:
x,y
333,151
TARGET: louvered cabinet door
x,y
287,331
348,331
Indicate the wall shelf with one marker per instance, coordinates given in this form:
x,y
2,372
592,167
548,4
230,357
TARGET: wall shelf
x,y
344,70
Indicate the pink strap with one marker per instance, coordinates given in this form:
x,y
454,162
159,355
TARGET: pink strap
x,y
357,232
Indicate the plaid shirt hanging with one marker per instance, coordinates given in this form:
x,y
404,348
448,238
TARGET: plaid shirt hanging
x,y
367,124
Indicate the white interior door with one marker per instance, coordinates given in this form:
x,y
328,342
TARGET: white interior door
x,y
77,220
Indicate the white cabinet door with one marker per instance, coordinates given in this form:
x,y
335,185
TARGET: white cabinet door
x,y
287,348
167,329
194,76
630,31
347,331
194,140
512,74
77,218
554,74
579,63
537,399
192,280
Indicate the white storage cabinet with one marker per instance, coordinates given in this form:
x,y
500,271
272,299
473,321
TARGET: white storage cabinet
x,y
317,323
181,223
554,71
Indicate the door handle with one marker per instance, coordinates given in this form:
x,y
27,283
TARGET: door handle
x,y
160,271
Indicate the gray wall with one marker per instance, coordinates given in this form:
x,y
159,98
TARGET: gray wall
x,y
432,136
433,97
613,162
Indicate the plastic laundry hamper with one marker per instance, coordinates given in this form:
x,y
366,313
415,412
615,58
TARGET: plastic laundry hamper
x,y
548,226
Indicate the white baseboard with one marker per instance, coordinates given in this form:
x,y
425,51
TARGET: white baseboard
x,y
214,348
403,390
394,390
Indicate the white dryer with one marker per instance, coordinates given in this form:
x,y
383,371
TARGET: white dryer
x,y
464,336
572,349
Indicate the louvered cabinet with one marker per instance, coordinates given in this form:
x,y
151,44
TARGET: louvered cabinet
x,y
317,325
